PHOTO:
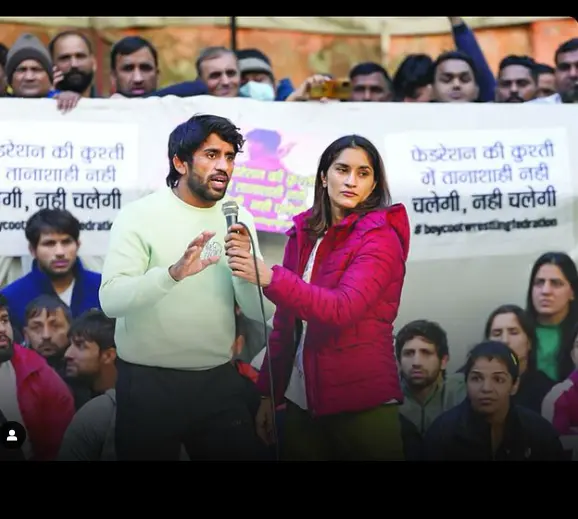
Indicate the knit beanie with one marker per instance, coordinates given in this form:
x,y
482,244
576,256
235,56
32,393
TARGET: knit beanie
x,y
253,60
26,47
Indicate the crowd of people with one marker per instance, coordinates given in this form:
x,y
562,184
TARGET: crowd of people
x,y
148,360
65,70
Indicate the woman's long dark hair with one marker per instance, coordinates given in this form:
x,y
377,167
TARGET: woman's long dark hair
x,y
525,322
568,268
380,197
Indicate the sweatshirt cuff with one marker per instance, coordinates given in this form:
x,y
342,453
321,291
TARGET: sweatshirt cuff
x,y
164,280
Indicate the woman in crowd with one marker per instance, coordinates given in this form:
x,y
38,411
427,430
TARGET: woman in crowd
x,y
488,425
337,295
551,304
512,326
561,404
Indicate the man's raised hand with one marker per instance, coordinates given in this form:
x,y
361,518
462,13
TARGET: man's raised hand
x,y
191,262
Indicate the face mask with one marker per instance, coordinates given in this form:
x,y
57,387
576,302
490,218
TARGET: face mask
x,y
258,91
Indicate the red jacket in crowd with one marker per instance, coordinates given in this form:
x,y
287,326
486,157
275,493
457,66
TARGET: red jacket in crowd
x,y
560,406
349,306
45,402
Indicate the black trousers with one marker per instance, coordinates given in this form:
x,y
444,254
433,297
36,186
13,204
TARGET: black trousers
x,y
159,410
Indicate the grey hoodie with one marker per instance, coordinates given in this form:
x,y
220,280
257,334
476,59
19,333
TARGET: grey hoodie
x,y
90,435
447,394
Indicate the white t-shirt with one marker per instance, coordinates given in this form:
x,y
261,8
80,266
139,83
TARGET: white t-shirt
x,y
66,296
9,401
296,389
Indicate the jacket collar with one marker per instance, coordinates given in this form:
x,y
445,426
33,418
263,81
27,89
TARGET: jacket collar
x,y
26,362
435,389
473,428
41,278
370,220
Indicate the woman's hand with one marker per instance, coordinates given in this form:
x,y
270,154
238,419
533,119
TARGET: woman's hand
x,y
242,263
264,421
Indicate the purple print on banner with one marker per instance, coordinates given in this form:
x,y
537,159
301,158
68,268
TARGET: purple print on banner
x,y
263,184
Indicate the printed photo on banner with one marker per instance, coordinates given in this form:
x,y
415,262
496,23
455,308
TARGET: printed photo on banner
x,y
484,192
274,176
88,168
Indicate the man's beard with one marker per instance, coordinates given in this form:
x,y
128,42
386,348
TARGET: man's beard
x,y
60,274
570,96
514,99
51,352
201,188
6,352
76,80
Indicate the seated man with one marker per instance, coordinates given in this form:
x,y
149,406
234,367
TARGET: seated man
x,y
422,352
91,356
46,324
32,394
487,425
53,239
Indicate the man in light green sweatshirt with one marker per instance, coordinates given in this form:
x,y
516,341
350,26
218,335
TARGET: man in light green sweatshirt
x,y
167,282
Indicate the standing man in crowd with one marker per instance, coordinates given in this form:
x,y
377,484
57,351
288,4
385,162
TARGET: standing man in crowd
x,y
134,67
72,55
53,240
173,296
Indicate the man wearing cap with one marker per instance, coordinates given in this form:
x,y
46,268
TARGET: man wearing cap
x,y
257,77
29,68
29,72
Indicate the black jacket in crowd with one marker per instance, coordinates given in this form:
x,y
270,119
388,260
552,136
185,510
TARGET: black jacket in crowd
x,y
460,434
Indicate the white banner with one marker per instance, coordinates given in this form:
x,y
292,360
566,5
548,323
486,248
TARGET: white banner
x,y
485,192
472,184
454,276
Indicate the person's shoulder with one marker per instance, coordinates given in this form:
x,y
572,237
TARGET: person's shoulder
x,y
29,359
92,276
444,424
139,210
14,289
455,387
388,225
553,99
101,406
439,436
26,360
534,423
558,390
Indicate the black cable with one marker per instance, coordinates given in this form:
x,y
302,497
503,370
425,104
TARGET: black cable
x,y
266,345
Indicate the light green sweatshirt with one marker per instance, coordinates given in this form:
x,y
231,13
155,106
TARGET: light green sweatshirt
x,y
188,324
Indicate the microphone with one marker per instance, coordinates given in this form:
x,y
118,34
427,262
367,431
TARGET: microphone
x,y
231,212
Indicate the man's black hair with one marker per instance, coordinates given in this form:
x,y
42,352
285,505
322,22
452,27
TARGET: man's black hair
x,y
188,137
130,45
94,326
47,221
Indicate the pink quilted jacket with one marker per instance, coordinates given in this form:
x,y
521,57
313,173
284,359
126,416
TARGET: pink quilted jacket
x,y
350,307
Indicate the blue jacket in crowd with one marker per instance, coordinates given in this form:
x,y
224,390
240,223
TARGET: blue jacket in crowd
x,y
36,283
